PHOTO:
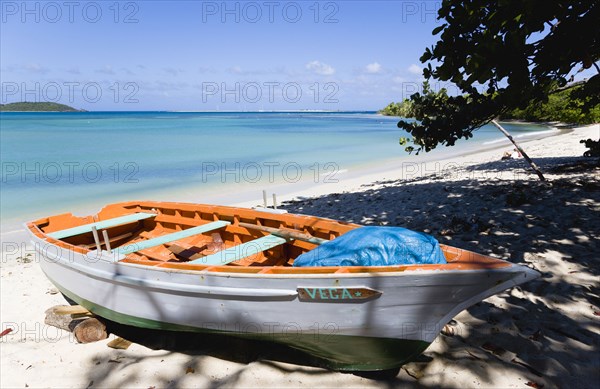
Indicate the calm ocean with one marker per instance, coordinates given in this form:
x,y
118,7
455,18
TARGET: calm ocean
x,y
53,162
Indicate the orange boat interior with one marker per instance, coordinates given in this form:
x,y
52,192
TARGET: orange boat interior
x,y
174,217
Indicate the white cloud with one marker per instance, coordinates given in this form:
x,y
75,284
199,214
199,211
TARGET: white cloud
x,y
206,69
127,71
415,69
235,70
320,68
373,68
173,71
399,80
107,69
36,68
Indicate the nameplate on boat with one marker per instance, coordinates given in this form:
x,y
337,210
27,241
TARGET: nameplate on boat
x,y
337,295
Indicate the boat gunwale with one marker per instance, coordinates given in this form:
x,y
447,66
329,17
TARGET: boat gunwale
x,y
379,271
486,263
301,272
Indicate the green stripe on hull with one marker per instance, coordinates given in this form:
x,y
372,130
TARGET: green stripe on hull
x,y
336,352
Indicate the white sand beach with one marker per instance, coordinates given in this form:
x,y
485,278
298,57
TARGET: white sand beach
x,y
543,334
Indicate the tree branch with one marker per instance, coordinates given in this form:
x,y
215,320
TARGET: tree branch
x,y
529,161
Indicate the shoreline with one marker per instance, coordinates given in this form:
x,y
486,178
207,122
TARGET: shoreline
x,y
251,195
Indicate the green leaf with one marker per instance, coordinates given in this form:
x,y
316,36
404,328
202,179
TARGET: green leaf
x,y
495,43
438,29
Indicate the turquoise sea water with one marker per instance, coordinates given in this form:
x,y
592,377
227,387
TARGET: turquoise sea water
x,y
51,161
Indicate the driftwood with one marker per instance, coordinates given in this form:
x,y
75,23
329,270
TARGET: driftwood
x,y
76,319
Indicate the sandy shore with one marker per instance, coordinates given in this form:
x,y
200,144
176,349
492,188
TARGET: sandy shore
x,y
243,186
546,333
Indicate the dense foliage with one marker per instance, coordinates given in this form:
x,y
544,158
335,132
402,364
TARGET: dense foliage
x,y
36,107
402,109
503,56
562,106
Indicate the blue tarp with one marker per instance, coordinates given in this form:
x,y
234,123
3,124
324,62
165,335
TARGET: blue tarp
x,y
375,246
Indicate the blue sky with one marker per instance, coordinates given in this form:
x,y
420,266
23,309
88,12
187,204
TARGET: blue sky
x,y
214,55
205,55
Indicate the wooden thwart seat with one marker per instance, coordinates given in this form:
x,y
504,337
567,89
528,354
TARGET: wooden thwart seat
x,y
103,224
137,246
188,251
241,251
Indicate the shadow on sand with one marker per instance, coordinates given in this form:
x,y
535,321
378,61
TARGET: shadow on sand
x,y
225,347
523,332
553,227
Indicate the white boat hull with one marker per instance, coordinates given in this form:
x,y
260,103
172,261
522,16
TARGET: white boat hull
x,y
398,324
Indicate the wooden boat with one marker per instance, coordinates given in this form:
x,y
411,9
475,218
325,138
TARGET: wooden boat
x,y
217,269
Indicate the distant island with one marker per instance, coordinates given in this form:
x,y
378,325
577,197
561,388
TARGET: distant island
x,y
37,107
